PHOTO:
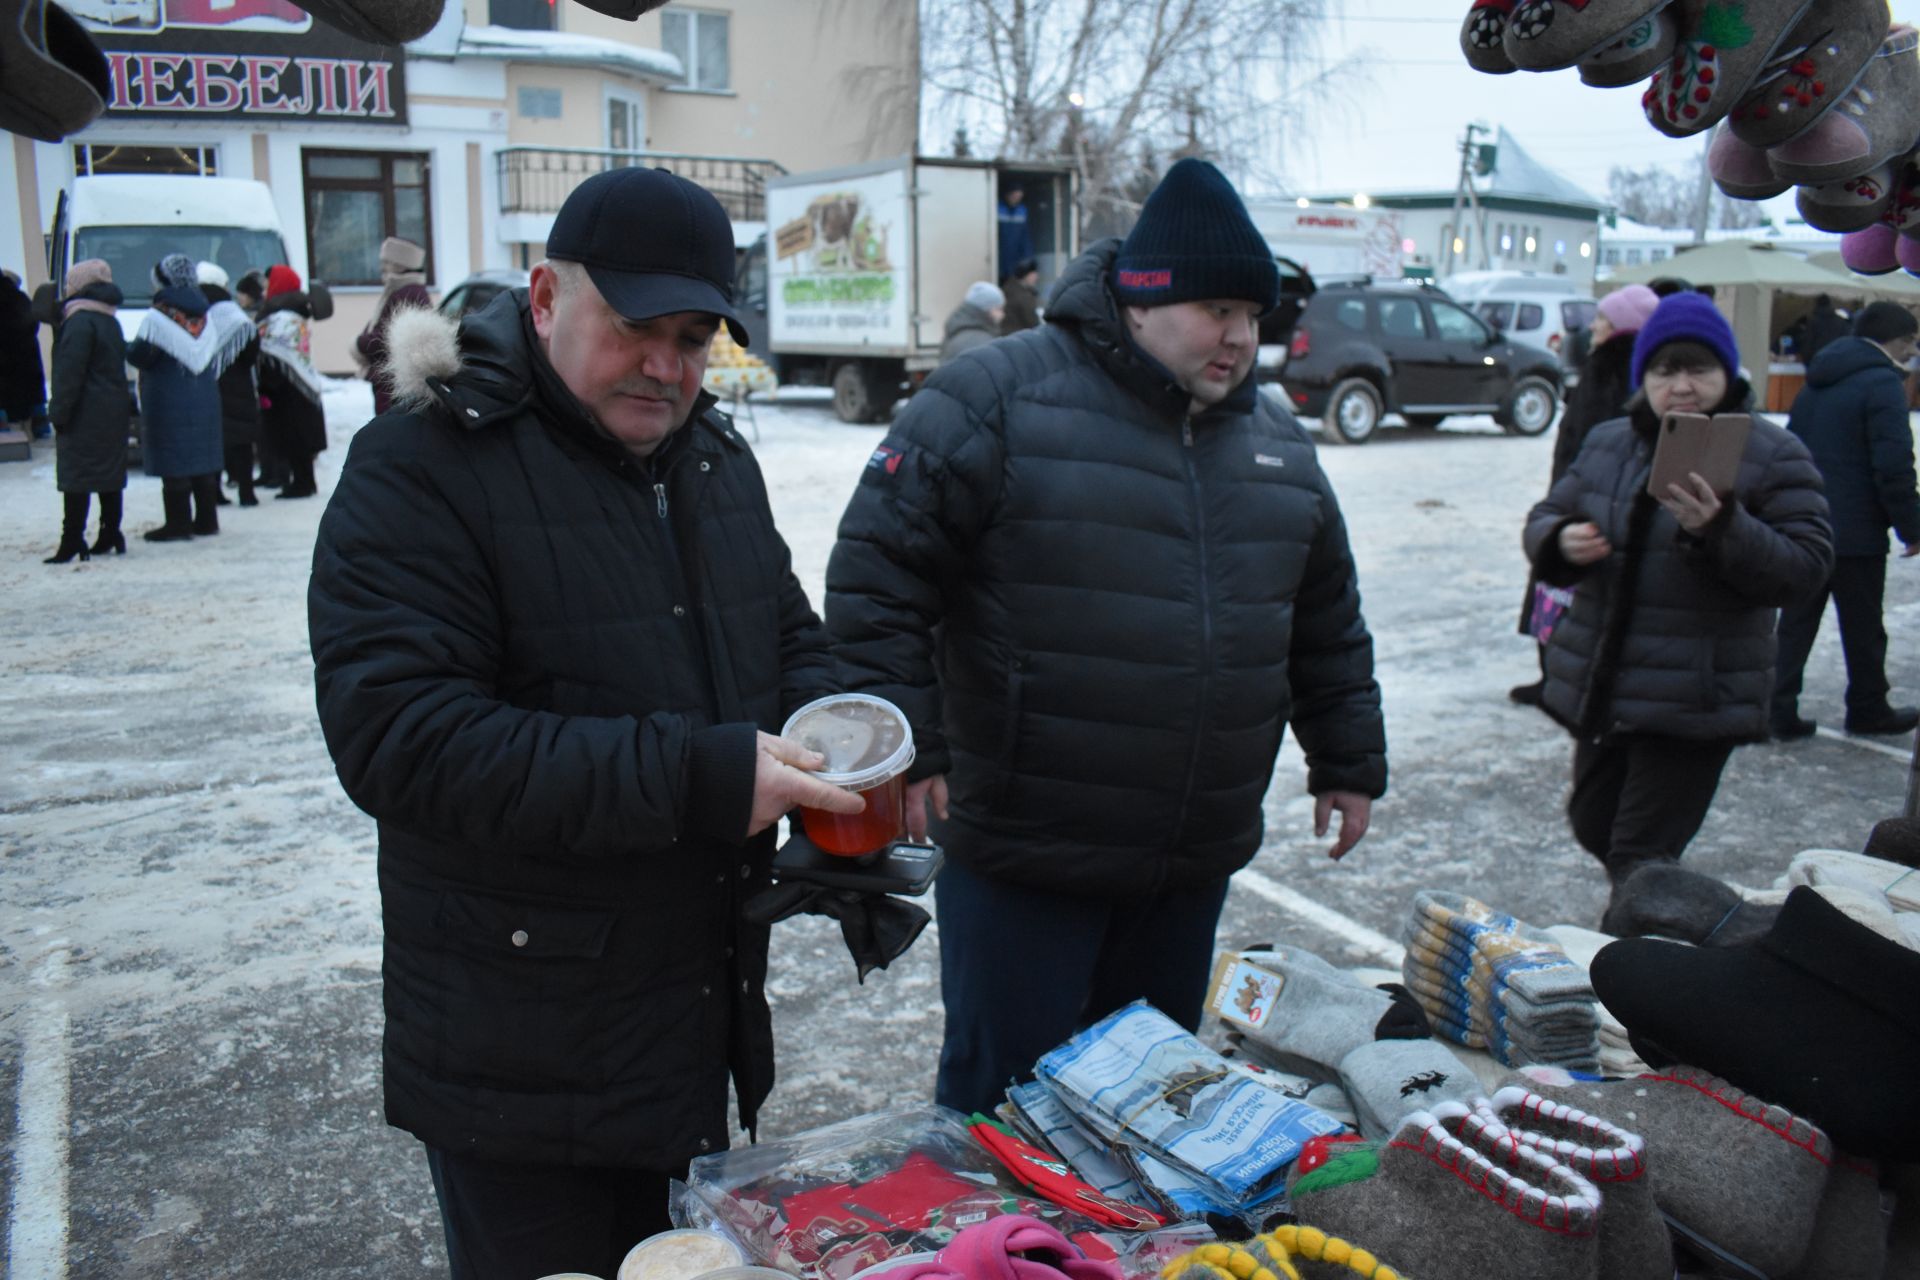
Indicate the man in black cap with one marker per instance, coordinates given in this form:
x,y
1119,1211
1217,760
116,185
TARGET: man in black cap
x,y
554,633
1101,574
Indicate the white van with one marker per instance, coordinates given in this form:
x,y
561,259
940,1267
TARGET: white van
x,y
134,220
1525,306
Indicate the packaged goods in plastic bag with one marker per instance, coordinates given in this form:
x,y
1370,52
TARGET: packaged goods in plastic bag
x,y
833,1202
1137,1077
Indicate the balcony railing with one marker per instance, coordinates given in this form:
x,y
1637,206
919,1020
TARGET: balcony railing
x,y
539,179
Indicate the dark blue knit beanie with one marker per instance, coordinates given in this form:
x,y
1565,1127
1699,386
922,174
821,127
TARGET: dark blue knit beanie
x,y
1686,317
1194,241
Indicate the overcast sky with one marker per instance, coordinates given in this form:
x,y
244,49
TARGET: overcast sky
x,y
1404,131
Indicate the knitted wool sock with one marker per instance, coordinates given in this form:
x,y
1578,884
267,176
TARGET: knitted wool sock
x,y
1633,1235
1728,1170
1385,1079
1230,1262
1439,1207
1850,1229
1319,1256
1321,1014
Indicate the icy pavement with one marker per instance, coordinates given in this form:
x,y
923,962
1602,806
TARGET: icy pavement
x,y
190,1015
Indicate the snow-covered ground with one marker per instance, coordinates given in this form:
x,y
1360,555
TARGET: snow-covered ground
x,y
189,930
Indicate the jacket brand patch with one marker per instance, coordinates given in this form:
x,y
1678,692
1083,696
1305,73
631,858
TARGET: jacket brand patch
x,y
1268,460
1161,279
885,458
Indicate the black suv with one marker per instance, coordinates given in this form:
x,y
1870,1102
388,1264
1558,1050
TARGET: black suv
x,y
1356,351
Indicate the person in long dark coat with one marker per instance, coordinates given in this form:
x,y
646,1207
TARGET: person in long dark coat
x,y
290,389
90,409
239,392
1606,384
404,284
1022,289
23,380
181,350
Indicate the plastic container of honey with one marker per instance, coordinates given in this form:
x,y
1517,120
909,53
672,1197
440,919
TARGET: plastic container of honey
x,y
868,747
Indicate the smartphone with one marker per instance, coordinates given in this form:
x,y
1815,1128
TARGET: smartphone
x,y
902,867
1693,442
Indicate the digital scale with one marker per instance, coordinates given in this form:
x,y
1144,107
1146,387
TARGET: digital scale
x,y
903,867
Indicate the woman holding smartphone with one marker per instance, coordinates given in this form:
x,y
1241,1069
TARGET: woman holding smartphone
x,y
1663,664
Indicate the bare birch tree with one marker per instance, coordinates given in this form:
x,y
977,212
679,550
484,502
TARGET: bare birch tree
x,y
1120,87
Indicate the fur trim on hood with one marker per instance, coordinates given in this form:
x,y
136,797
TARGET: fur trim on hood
x,y
421,344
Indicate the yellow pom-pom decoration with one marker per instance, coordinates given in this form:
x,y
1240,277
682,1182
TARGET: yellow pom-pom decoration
x,y
1363,1262
1336,1251
1217,1254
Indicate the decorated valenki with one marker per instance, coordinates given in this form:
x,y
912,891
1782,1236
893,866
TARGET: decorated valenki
x,y
1724,46
1483,36
1873,123
1546,35
1818,63
1640,51
1433,1201
1319,1256
1733,1175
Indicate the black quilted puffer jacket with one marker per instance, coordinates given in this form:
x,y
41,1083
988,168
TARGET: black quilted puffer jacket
x,y
1099,614
1672,634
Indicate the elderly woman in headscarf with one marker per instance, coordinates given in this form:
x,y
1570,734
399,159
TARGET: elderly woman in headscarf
x,y
90,410
239,389
181,350
290,388
404,284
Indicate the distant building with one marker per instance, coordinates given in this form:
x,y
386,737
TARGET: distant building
x,y
1626,243
1535,220
468,139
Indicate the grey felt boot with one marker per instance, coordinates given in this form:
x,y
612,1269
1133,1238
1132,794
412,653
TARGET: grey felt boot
x,y
1817,65
53,78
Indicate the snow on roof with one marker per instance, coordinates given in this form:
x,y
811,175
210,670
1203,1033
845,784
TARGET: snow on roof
x,y
1518,175
564,47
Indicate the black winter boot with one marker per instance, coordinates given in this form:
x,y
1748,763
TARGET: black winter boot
x,y
73,529
178,504
206,503
110,539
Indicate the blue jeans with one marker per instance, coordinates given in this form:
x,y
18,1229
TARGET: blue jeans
x,y
1022,969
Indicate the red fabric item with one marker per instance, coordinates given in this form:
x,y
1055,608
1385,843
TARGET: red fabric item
x,y
282,279
1049,1176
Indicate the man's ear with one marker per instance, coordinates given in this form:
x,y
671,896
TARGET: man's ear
x,y
543,293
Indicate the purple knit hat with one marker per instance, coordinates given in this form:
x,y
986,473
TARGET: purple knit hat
x,y
1628,309
1686,317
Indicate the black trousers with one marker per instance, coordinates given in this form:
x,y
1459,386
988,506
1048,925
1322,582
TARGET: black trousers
x,y
1642,798
1858,587
521,1221
1023,969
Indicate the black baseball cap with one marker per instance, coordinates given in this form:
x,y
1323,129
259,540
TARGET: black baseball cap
x,y
652,242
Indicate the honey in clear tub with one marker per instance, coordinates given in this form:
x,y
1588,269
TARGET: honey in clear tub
x,y
868,747
681,1255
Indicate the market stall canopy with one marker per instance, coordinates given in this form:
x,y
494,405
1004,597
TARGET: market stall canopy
x,y
1732,263
1895,286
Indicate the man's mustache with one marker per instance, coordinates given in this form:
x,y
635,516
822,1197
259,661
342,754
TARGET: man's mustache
x,y
644,386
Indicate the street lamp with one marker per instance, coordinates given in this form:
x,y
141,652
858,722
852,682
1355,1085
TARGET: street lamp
x,y
1362,201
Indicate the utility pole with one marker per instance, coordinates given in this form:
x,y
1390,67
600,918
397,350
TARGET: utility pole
x,y
1703,198
1466,197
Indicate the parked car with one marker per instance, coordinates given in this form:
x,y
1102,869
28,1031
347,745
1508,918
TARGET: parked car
x,y
480,288
1539,320
1359,350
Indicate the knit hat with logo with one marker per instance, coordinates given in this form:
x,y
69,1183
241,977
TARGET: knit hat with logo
x,y
1194,241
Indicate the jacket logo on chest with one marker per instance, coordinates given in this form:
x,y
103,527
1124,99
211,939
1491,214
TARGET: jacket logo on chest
x,y
1268,460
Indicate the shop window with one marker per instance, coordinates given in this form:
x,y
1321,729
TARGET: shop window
x,y
356,199
524,15
127,157
699,39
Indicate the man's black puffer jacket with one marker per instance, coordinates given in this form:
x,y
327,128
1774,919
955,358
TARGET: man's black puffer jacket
x,y
541,664
1131,607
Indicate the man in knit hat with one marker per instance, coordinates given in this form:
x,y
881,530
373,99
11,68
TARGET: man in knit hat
x,y
1101,574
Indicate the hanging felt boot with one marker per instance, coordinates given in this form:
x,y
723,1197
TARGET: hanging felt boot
x,y
1853,204
1817,65
1873,123
1639,52
1740,169
73,530
1724,47
1546,35
1483,37
178,505
56,79
111,540
206,503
